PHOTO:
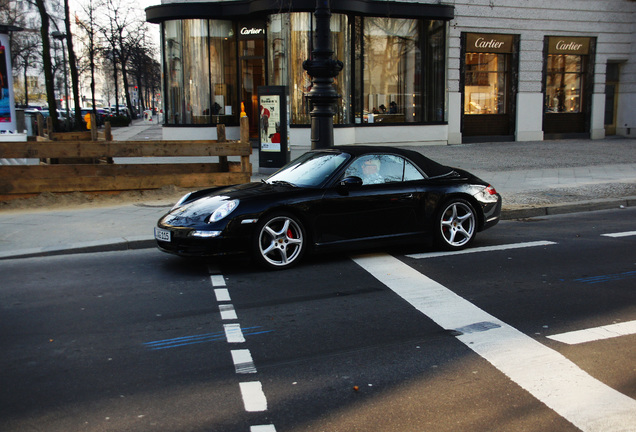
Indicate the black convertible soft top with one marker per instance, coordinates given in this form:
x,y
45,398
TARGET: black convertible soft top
x,y
430,167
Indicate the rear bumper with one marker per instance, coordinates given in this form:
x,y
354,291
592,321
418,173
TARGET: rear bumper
x,y
492,213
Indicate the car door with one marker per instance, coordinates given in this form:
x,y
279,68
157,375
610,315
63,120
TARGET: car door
x,y
384,206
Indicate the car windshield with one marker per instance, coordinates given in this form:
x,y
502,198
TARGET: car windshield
x,y
309,170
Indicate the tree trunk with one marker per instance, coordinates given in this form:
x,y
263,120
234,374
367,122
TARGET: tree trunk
x,y
72,61
46,63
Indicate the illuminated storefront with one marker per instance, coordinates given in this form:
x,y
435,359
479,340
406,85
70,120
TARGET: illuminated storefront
x,y
568,82
415,72
394,67
489,75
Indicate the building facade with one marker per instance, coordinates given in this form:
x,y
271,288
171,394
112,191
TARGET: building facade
x,y
414,71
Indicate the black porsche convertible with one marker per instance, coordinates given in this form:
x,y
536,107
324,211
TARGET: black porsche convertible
x,y
342,197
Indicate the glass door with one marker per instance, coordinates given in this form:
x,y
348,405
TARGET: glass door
x,y
488,86
252,62
611,97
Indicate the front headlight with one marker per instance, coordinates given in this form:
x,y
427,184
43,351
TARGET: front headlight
x,y
223,211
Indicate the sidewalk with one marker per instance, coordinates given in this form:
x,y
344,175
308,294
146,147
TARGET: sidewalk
x,y
535,179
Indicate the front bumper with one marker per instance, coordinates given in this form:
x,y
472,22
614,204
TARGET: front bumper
x,y
183,243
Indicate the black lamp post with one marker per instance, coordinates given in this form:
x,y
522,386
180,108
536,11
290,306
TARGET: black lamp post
x,y
62,37
323,69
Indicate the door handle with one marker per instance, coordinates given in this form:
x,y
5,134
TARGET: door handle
x,y
405,197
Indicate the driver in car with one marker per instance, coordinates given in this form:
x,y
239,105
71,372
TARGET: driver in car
x,y
371,172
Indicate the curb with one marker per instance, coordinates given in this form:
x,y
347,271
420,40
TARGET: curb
x,y
565,208
117,244
145,242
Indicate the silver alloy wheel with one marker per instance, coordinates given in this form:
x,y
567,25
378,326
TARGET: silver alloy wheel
x,y
280,241
457,224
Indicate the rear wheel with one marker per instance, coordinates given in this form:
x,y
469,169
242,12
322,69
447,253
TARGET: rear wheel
x,y
280,241
455,225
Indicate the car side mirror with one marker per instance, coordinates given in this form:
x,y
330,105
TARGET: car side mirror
x,y
350,182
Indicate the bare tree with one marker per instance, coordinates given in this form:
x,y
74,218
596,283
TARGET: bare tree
x,y
46,61
25,45
90,30
123,31
72,61
143,67
26,58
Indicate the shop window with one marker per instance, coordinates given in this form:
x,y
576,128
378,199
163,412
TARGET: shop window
x,y
434,58
223,104
485,83
289,41
196,88
564,81
200,60
173,48
400,70
391,70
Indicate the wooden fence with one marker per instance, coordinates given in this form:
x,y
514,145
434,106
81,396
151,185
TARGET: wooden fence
x,y
95,171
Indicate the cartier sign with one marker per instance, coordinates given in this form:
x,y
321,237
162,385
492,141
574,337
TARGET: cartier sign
x,y
568,45
251,30
490,43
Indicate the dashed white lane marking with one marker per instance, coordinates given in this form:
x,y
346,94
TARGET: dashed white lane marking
x,y
233,333
263,428
550,377
227,312
243,363
252,392
253,396
596,333
620,234
222,294
482,249
217,280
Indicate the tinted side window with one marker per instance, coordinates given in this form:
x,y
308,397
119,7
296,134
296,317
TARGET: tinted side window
x,y
383,168
411,173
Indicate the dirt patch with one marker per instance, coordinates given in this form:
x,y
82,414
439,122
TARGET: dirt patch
x,y
163,197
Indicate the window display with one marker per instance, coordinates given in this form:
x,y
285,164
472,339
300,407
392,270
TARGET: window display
x,y
485,83
563,83
196,94
391,70
289,35
394,68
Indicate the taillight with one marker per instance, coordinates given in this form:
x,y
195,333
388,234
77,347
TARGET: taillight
x,y
491,190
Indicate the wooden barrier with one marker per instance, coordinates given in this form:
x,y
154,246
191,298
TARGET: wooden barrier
x,y
85,177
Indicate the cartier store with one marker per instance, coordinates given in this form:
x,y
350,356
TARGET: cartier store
x,y
568,84
216,55
488,80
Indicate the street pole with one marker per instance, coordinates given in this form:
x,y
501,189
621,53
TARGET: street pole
x,y
61,37
323,69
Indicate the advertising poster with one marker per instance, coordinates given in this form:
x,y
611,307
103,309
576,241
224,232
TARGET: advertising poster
x,y
270,123
7,110
5,106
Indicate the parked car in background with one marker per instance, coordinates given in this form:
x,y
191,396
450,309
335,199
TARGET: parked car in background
x,y
347,197
99,114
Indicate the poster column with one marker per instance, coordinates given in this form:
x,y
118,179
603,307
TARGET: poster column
x,y
7,104
273,135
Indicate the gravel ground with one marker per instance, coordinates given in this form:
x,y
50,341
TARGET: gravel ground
x,y
569,195
510,156
513,156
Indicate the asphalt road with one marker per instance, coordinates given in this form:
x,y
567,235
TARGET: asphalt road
x,y
398,340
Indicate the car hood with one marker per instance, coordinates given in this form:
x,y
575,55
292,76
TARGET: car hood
x,y
201,204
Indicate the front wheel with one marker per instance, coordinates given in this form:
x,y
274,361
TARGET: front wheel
x,y
280,241
455,225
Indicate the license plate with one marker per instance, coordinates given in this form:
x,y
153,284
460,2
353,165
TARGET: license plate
x,y
162,234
